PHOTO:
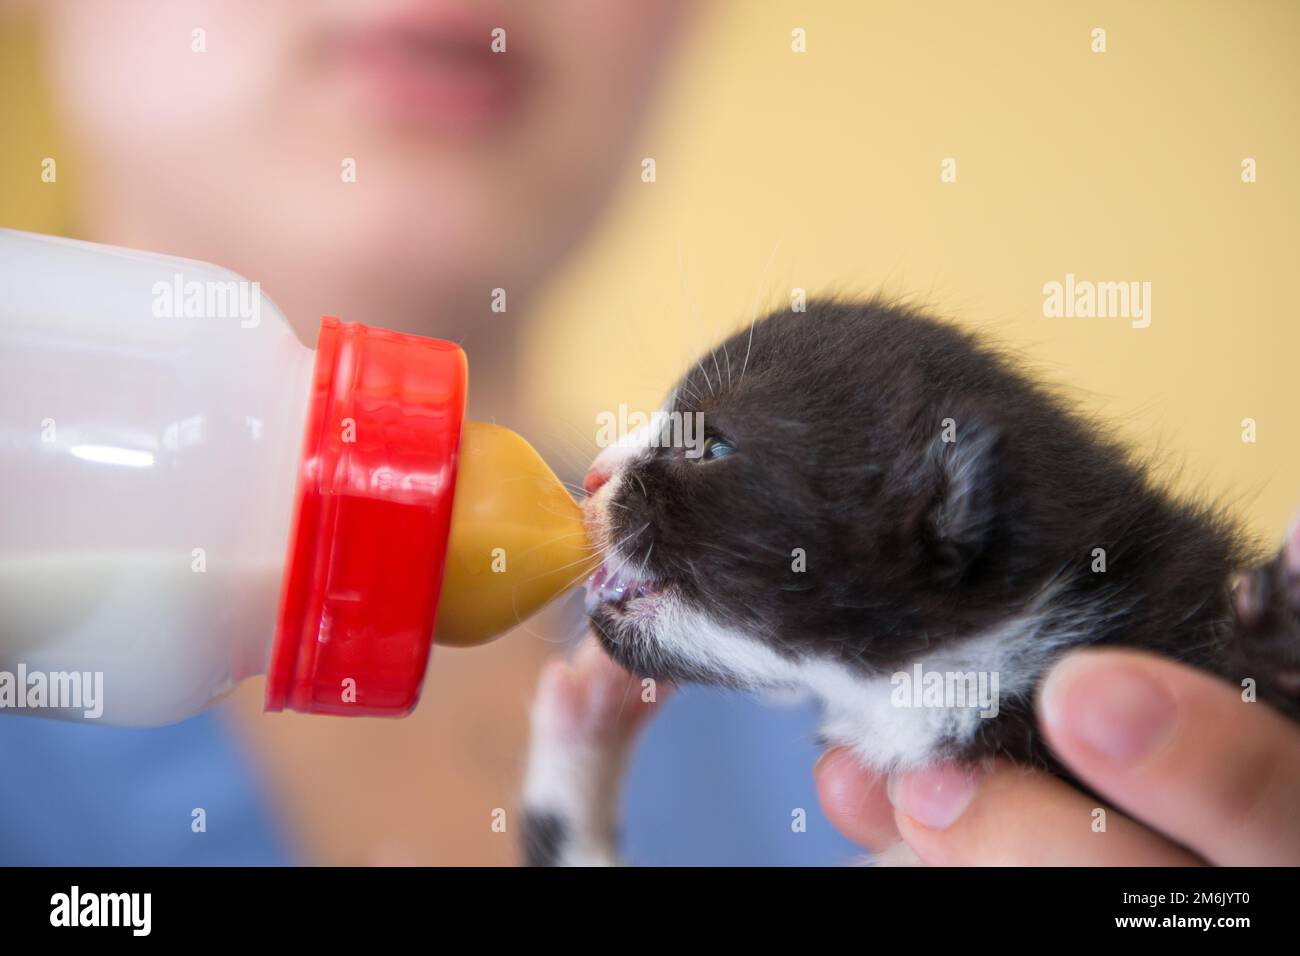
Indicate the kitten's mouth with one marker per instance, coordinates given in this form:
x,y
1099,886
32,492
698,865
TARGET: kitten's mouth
x,y
617,587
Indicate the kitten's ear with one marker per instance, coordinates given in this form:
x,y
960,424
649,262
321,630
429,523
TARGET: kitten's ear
x,y
962,462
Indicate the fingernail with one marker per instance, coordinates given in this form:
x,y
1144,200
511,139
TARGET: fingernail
x,y
824,761
935,797
841,777
833,760
1109,706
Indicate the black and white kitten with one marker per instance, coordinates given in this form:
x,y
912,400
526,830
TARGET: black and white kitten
x,y
879,491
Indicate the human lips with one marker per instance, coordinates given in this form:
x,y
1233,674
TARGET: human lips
x,y
437,71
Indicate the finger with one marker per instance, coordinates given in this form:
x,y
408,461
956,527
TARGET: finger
x,y
853,799
1180,750
1006,815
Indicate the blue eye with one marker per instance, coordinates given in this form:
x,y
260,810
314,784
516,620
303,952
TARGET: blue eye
x,y
715,448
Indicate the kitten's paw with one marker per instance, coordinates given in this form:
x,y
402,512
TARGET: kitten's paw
x,y
584,718
589,701
1266,601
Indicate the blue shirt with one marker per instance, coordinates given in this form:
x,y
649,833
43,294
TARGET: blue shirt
x,y
91,795
718,779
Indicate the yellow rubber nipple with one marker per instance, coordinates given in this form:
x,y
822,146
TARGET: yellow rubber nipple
x,y
517,538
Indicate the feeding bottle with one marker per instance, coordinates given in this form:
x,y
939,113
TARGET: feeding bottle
x,y
193,497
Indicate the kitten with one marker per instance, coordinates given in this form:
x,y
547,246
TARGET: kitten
x,y
879,492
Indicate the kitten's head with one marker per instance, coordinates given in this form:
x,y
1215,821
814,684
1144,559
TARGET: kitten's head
x,y
848,499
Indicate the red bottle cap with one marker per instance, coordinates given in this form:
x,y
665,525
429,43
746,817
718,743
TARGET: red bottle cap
x,y
371,522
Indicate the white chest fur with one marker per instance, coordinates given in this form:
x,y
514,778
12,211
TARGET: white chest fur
x,y
887,719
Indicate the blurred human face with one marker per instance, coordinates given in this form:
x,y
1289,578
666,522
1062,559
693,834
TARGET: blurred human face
x,y
226,130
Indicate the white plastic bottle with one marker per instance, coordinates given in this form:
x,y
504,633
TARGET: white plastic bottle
x,y
152,421
193,497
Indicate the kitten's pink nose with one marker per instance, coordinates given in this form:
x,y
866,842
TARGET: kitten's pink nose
x,y
595,478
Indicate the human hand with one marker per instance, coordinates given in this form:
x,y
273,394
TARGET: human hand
x,y
1196,775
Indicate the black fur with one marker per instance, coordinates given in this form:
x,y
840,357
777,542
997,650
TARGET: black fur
x,y
544,837
838,419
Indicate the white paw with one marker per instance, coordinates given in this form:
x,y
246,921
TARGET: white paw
x,y
584,718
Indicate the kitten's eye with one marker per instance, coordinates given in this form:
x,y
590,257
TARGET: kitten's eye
x,y
716,448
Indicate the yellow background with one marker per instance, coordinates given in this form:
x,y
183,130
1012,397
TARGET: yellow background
x,y
821,171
